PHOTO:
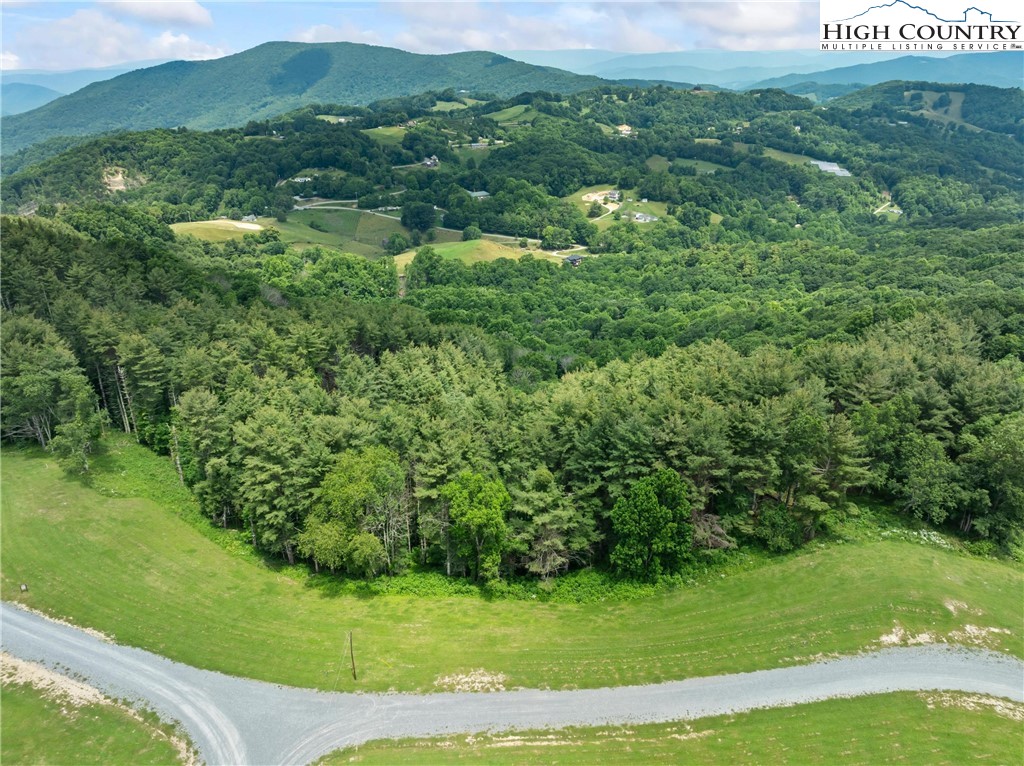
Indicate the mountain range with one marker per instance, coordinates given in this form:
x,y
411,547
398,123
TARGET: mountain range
x,y
742,70
271,79
277,77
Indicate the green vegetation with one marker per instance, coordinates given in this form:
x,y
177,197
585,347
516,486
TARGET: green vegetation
x,y
131,556
391,136
473,251
37,729
790,355
933,728
520,113
269,80
217,231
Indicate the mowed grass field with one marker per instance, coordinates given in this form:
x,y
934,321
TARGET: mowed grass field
x,y
351,231
905,728
35,729
220,230
392,135
471,252
115,554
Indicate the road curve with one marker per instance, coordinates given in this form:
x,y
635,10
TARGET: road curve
x,y
238,721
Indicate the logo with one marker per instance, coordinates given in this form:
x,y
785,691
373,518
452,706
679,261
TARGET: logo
x,y
907,26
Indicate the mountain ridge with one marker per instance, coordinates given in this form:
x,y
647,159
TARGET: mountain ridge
x,y
271,79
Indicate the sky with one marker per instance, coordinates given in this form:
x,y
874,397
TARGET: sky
x,y
42,34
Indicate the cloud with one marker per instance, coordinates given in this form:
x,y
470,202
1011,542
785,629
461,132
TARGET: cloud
x,y
752,25
438,27
185,13
10,60
89,38
346,32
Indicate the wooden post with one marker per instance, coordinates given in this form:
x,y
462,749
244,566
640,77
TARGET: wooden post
x,y
352,654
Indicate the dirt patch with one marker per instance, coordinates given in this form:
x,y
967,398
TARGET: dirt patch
x,y
899,636
117,179
474,681
955,607
977,636
90,631
53,686
1005,708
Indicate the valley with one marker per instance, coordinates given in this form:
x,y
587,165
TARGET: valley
x,y
467,375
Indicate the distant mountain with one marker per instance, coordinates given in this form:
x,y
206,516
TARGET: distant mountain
x,y
726,69
271,79
18,97
70,81
1001,69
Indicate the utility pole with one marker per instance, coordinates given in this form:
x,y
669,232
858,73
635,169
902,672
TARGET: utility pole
x,y
352,654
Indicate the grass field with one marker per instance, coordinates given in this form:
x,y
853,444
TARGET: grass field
x,y
474,251
116,555
658,162
903,728
333,118
35,729
220,230
519,113
447,106
392,135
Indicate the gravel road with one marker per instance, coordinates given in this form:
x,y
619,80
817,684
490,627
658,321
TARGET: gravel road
x,y
238,721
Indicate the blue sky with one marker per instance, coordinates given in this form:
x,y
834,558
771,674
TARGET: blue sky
x,y
41,34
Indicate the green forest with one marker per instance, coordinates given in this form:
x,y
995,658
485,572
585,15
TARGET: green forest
x,y
780,351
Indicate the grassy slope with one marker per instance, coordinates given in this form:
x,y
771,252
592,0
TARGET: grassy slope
x,y
38,730
211,231
351,231
474,251
108,557
891,728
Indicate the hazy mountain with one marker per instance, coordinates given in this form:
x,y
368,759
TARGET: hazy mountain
x,y
70,81
18,97
271,79
1001,69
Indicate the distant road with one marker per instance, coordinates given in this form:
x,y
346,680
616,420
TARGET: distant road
x,y
237,721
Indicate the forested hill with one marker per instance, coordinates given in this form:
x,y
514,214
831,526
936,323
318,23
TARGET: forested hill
x,y
271,79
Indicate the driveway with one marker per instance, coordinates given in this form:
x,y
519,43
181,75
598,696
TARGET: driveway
x,y
238,721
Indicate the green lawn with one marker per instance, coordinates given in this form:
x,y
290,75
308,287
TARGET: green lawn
x,y
447,106
473,251
518,113
903,728
658,162
390,135
352,231
220,230
117,556
35,729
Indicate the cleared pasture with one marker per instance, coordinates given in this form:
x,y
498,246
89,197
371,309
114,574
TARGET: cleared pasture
x,y
119,554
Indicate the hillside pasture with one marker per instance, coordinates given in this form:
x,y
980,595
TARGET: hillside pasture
x,y
127,553
391,135
925,728
518,114
473,251
219,230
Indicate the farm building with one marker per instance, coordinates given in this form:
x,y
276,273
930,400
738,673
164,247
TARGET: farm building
x,y
479,194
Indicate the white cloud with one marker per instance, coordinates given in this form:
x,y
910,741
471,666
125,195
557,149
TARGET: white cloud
x,y
752,25
442,27
10,60
89,38
186,13
346,32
